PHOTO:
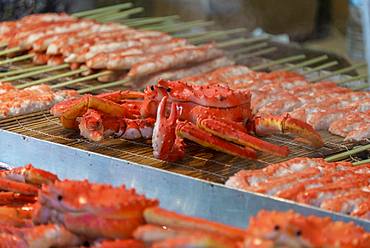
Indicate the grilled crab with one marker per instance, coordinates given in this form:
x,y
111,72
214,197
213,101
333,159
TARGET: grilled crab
x,y
92,210
270,229
214,116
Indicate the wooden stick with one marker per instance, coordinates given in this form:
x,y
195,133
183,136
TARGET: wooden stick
x,y
365,161
81,79
44,80
152,20
217,34
305,63
346,154
9,50
257,53
249,48
355,78
122,15
106,14
176,27
104,86
101,10
32,73
279,61
23,70
351,68
320,67
361,87
181,27
233,42
15,59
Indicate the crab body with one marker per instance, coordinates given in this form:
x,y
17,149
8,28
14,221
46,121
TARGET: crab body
x,y
92,210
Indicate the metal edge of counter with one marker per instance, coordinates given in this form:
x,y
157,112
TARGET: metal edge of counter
x,y
176,192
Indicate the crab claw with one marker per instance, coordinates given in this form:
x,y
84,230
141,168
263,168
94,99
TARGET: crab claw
x,y
191,132
269,124
232,132
166,144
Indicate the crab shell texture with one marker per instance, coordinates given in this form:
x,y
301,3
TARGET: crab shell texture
x,y
29,174
92,210
290,229
210,101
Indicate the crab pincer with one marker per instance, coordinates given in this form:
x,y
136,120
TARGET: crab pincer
x,y
269,124
166,144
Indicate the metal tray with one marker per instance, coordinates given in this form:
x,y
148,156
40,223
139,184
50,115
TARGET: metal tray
x,y
176,192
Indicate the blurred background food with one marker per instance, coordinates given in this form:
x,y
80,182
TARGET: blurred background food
x,y
327,25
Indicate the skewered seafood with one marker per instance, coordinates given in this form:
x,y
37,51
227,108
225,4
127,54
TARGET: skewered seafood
x,y
35,98
202,108
319,104
312,181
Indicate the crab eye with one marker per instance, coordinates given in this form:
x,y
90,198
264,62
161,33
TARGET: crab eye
x,y
276,227
298,233
152,87
60,197
168,90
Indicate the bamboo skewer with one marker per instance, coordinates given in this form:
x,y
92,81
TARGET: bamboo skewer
x,y
109,12
249,48
361,87
279,61
175,27
230,43
320,67
339,72
81,79
48,79
365,161
147,21
346,154
104,86
32,73
305,63
122,15
23,70
352,79
217,34
15,59
257,53
101,10
9,50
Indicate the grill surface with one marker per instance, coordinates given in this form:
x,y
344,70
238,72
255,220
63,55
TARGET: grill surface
x,y
199,162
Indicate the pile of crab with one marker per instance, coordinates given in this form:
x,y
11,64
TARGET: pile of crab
x,y
213,116
39,210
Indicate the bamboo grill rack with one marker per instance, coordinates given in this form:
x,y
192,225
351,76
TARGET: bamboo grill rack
x,y
199,162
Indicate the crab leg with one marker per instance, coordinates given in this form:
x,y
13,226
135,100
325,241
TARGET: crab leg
x,y
95,126
162,217
191,132
16,217
268,124
68,118
10,198
29,174
17,187
226,130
